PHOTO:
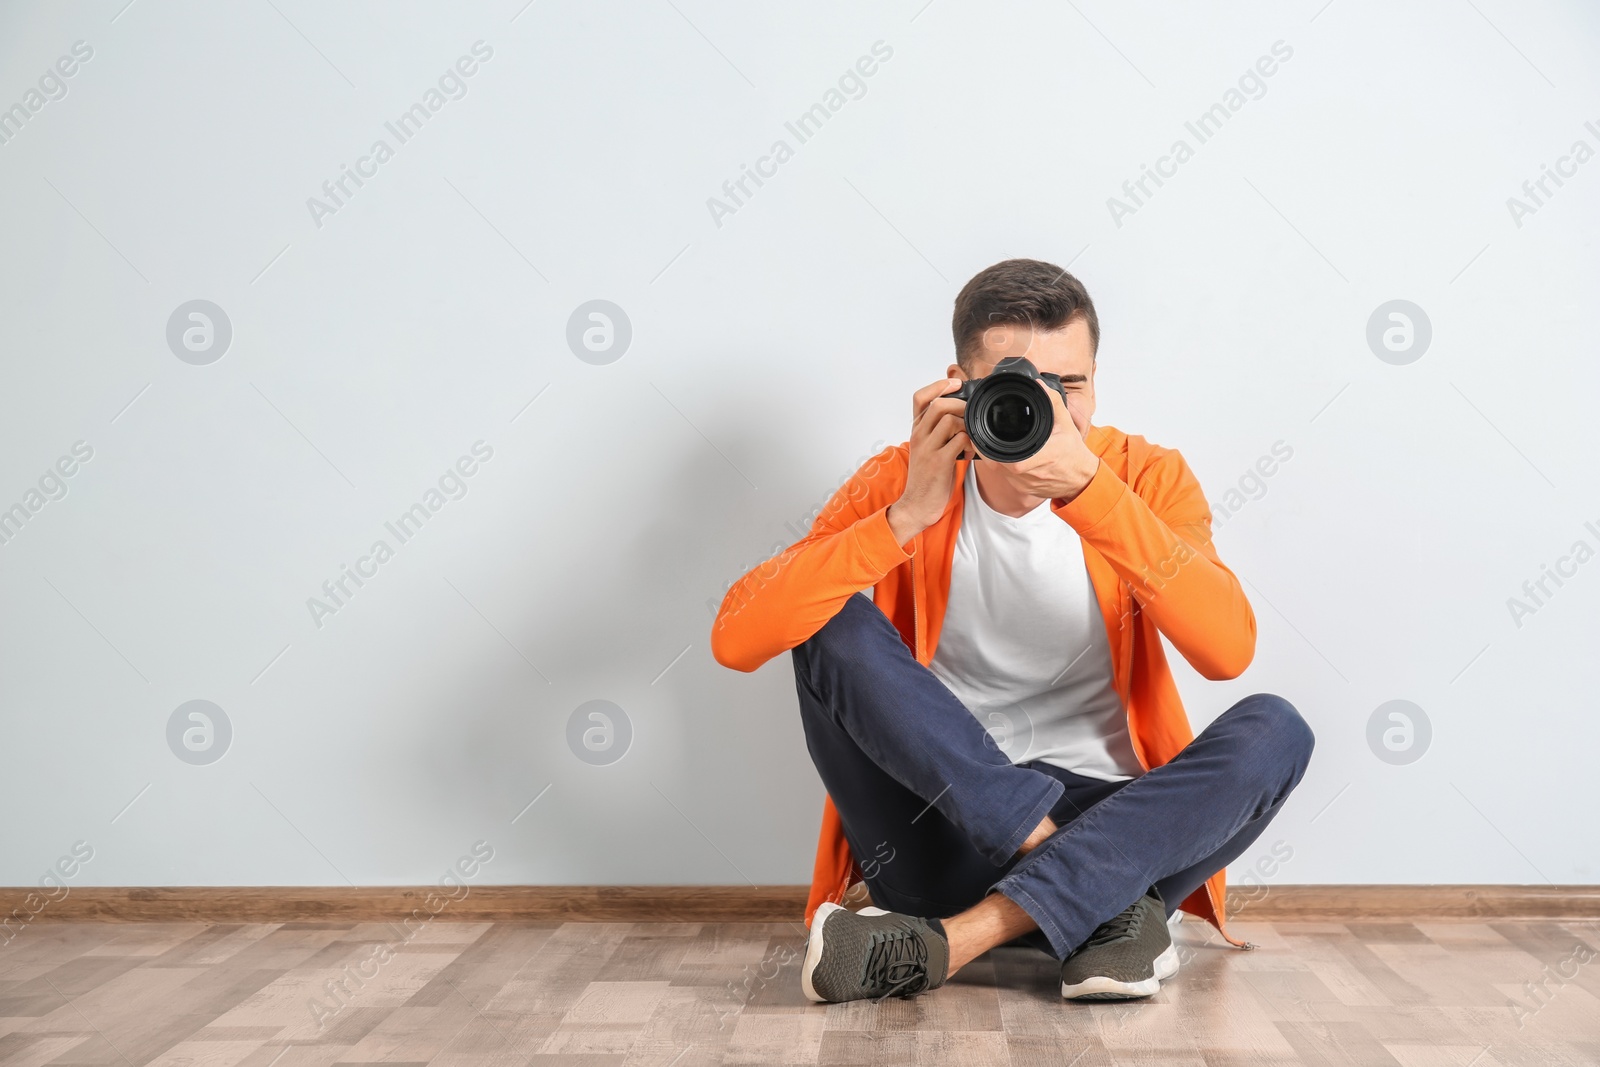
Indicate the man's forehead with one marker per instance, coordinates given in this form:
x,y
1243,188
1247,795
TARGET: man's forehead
x,y
1069,345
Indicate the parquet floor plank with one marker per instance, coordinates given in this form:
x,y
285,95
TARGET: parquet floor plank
x,y
547,994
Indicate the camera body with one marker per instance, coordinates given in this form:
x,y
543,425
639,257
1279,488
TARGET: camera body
x,y
1007,417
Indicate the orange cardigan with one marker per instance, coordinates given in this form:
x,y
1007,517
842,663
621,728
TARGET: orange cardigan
x,y
1146,532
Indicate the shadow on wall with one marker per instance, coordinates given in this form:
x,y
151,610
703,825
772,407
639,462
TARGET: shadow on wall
x,y
617,760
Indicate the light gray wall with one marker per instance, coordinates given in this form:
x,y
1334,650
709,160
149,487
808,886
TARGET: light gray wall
x,y
771,346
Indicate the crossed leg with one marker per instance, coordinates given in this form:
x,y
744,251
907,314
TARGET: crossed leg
x,y
945,826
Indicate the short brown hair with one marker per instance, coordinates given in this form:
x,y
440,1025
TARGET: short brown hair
x,y
1020,292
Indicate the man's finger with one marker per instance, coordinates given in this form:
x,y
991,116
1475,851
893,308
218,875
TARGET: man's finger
x,y
930,392
959,442
938,408
945,405
945,427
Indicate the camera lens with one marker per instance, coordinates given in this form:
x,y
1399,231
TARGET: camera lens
x,y
1010,418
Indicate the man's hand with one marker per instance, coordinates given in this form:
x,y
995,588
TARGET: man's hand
x,y
938,436
1060,470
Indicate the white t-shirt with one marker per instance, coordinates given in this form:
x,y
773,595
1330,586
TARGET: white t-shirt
x,y
1024,646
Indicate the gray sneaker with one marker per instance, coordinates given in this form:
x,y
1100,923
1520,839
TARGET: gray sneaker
x,y
872,954
1125,958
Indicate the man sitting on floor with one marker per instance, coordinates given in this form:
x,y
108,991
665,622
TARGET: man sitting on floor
x,y
1031,596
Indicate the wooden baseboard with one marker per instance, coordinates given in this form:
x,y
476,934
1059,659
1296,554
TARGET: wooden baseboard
x,y
479,903
778,903
1379,903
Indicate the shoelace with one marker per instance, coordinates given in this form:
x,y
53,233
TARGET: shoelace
x,y
897,962
1125,925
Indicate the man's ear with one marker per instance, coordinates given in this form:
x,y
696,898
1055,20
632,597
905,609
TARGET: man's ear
x,y
955,371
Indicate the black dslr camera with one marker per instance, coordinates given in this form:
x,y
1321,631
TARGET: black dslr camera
x,y
1008,418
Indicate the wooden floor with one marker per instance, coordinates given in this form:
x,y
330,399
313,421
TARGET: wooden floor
x,y
454,993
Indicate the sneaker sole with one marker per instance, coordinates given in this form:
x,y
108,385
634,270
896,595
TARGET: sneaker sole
x,y
1102,988
814,951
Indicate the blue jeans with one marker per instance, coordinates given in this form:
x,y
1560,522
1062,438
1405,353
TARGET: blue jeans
x,y
934,811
